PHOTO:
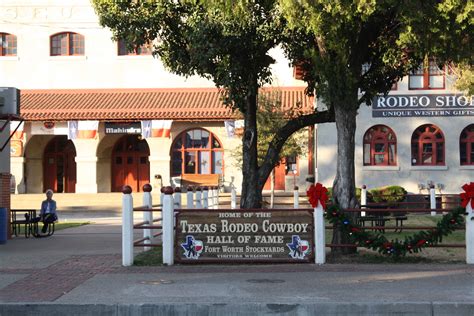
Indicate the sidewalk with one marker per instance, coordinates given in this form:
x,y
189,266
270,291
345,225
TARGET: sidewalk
x,y
78,272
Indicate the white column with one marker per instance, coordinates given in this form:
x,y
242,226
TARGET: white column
x,y
86,165
433,200
233,198
363,198
168,227
147,215
198,198
296,198
17,170
469,234
127,227
205,198
162,195
319,235
190,198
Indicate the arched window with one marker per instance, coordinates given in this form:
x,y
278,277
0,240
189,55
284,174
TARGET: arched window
x,y
380,146
427,146
466,145
139,50
196,151
7,44
67,44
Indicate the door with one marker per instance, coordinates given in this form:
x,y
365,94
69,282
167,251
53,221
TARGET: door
x,y
59,166
130,163
280,173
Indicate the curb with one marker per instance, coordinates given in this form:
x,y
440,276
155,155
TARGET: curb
x,y
399,308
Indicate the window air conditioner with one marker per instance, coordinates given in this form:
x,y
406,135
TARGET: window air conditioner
x,y
9,101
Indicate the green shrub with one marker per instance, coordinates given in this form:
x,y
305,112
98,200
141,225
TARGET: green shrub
x,y
388,194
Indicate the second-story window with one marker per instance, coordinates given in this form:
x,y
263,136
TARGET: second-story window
x,y
67,44
123,49
427,76
7,44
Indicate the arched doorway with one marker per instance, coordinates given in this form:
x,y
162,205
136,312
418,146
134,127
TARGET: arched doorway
x,y
130,164
59,165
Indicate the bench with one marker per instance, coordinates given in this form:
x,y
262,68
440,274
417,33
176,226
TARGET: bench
x,y
200,180
23,218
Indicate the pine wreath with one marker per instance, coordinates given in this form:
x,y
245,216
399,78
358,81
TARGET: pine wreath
x,y
411,244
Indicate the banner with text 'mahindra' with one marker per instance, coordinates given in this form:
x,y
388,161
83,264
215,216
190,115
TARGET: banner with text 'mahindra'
x,y
244,236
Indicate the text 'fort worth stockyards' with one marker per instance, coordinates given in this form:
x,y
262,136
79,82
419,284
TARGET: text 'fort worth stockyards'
x,y
237,235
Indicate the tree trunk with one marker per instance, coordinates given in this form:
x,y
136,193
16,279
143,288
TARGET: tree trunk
x,y
344,184
251,192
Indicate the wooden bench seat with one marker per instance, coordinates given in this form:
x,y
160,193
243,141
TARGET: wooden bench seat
x,y
200,180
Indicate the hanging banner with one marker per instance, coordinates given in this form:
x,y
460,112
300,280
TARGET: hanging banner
x,y
244,236
123,128
19,129
230,128
49,128
423,105
87,129
161,128
72,127
146,129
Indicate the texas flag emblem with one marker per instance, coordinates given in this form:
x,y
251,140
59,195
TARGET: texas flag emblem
x,y
192,247
298,248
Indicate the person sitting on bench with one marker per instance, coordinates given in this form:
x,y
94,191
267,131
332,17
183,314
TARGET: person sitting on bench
x,y
48,212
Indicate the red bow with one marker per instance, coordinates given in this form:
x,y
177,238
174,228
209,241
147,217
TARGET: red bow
x,y
317,194
467,195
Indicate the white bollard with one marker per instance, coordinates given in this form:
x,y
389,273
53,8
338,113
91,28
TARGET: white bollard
x,y
433,199
319,235
190,198
205,198
127,226
210,198
177,198
363,198
296,198
162,195
147,216
198,198
168,226
233,199
469,234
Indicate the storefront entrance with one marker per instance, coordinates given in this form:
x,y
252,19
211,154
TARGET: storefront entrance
x,y
59,165
130,164
287,167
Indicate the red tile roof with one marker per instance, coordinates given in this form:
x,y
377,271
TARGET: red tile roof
x,y
137,104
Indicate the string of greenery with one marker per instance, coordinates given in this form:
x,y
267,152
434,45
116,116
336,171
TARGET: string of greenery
x,y
411,244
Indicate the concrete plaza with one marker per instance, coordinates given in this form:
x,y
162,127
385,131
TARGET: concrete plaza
x,y
78,272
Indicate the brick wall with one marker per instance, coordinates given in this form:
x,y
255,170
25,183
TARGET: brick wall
x,y
5,195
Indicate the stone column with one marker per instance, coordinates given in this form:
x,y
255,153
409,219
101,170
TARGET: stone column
x,y
159,161
86,165
18,172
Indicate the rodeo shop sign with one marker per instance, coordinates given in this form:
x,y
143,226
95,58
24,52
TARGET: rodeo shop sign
x,y
423,105
244,236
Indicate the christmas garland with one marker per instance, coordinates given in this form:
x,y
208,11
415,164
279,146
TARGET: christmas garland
x,y
377,241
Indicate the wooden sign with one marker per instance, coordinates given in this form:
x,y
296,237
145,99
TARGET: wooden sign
x,y
244,236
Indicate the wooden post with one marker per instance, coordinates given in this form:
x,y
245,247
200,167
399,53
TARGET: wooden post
x,y
168,226
319,235
469,234
198,198
432,199
363,198
233,198
296,198
190,198
147,216
127,226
